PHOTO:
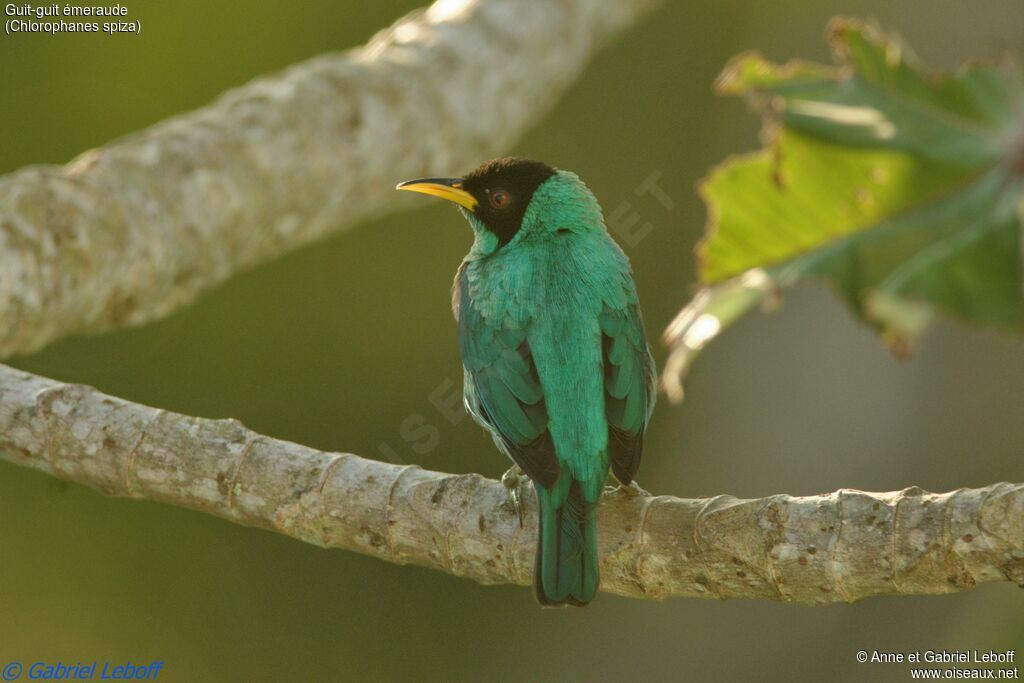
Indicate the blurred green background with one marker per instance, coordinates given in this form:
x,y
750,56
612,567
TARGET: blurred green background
x,y
333,346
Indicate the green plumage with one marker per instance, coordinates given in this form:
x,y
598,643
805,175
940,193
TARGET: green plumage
x,y
556,363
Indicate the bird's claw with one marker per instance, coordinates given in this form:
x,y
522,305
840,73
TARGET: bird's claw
x,y
510,480
630,489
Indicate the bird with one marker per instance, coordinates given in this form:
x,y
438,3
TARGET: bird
x,y
555,358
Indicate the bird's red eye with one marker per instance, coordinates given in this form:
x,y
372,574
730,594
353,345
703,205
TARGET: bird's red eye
x,y
500,199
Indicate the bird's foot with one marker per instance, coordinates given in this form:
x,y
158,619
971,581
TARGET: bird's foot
x,y
510,480
630,489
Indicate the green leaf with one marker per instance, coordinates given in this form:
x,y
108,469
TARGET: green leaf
x,y
901,187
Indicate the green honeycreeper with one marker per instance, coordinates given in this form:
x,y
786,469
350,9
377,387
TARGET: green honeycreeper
x,y
555,358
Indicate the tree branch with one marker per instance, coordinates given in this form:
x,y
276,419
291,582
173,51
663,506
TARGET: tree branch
x,y
130,232
127,233
838,547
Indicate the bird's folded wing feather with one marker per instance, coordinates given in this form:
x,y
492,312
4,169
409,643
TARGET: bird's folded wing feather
x,y
630,381
503,390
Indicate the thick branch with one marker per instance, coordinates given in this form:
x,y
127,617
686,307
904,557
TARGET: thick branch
x,y
129,232
815,549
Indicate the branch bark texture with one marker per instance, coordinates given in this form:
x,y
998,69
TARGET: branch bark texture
x,y
129,232
838,547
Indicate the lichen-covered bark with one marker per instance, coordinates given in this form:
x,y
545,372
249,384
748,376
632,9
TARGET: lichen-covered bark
x,y
131,231
837,547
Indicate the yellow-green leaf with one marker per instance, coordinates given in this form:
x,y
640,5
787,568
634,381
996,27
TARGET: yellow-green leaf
x,y
900,186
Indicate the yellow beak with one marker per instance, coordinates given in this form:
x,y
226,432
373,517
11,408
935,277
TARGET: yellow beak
x,y
445,188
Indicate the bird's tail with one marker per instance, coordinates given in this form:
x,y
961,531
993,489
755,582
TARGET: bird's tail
x,y
566,568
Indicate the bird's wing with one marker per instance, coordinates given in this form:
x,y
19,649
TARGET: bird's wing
x,y
502,389
629,385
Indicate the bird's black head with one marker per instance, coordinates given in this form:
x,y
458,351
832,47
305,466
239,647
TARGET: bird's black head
x,y
497,192
503,189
